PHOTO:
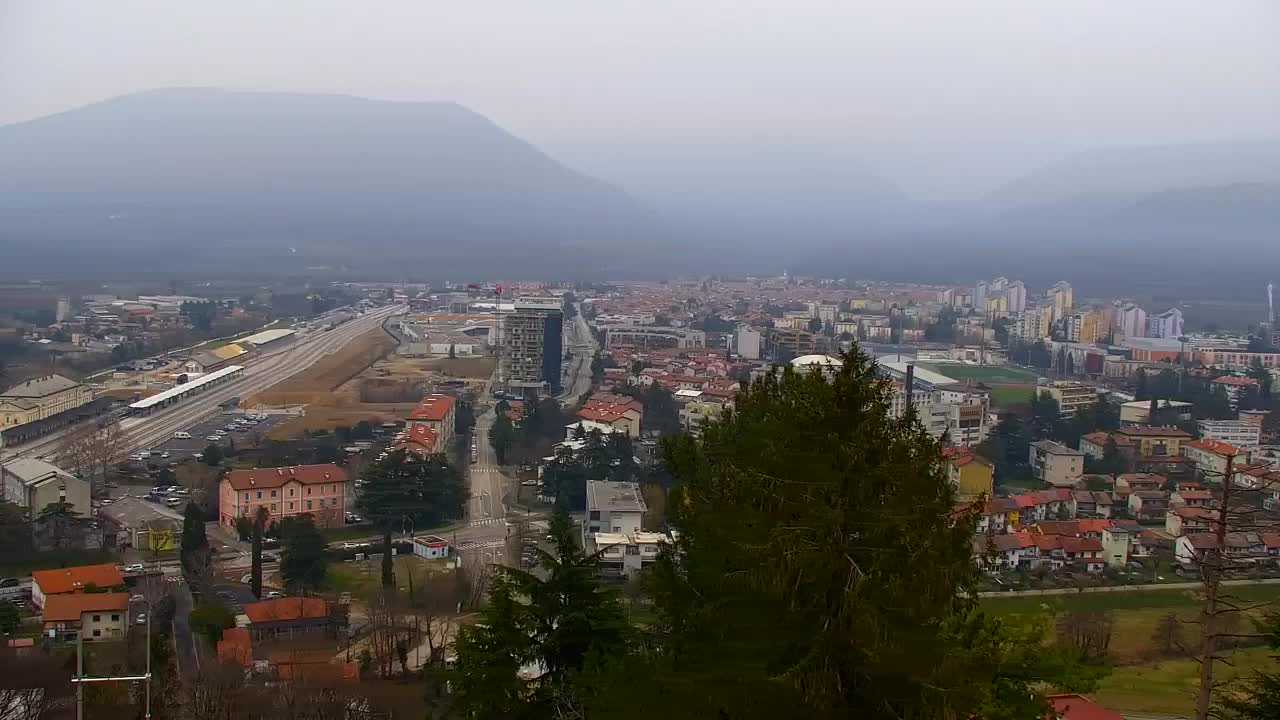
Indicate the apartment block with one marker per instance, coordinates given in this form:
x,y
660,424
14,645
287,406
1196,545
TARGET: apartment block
x,y
1071,396
533,345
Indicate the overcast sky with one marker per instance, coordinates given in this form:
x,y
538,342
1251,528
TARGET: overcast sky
x,y
1083,72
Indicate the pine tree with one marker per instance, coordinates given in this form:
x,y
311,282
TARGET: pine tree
x,y
407,488
255,566
195,544
490,655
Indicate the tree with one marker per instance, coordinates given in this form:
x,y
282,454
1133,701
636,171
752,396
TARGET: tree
x,y
1258,697
195,543
503,433
490,655
453,352
210,619
1087,631
328,452
1142,390
212,455
1046,417
821,569
9,619
425,491
1167,638
255,568
61,525
815,325
302,561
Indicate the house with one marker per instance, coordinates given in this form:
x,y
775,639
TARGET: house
x,y
626,554
1239,547
236,646
1191,498
33,484
1117,543
438,412
997,515
1213,458
1153,440
1148,504
1010,551
1056,463
430,547
419,439
86,616
1235,387
616,507
1044,505
971,475
1095,444
317,490
1141,481
1092,503
1062,551
73,581
288,618
620,418
1182,520
1257,477
1244,434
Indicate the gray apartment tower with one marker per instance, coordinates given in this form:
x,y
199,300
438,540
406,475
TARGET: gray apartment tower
x,y
532,337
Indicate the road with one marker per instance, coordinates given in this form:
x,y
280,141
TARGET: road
x,y
143,432
582,344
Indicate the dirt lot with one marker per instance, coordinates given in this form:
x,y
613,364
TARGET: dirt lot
x,y
365,381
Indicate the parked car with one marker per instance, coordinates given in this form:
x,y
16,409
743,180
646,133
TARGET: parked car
x,y
180,435
274,594
213,438
134,568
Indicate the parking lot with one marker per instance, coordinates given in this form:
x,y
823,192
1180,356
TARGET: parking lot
x,y
180,449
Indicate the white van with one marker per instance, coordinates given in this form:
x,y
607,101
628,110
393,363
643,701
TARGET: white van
x,y
182,435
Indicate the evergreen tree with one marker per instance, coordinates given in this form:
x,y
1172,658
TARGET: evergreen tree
x,y
1142,390
1259,696
490,654
821,570
255,567
1046,417
195,543
407,488
302,561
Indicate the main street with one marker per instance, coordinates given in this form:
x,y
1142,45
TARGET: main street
x,y
258,375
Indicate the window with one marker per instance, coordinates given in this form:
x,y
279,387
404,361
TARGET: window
x,y
595,514
259,494
97,618
115,617
593,528
246,496
617,529
273,493
273,507
308,491
290,504
292,491
97,633
633,549
308,504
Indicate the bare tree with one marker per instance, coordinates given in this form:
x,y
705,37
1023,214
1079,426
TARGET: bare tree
x,y
1087,630
1167,638
91,451
215,691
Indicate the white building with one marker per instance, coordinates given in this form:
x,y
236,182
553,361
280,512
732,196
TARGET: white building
x,y
1167,324
1131,320
613,507
748,343
1243,434
33,484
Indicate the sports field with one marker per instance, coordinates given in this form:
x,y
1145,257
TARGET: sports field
x,y
982,373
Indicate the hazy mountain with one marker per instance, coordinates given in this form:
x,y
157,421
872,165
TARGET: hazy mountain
x,y
1135,172
197,174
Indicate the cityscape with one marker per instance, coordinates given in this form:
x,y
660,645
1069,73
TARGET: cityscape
x,y
453,362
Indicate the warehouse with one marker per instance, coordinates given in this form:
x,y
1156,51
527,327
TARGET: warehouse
x,y
269,339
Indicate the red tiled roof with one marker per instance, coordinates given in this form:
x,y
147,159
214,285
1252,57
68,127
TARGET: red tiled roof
x,y
433,408
1078,707
74,579
1217,447
294,608
1271,539
69,607
277,477
422,435
1195,494
1144,478
1240,382
236,646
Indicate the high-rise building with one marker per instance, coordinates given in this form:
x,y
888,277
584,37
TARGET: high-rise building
x,y
1017,294
980,295
1088,327
1060,299
748,343
533,346
1167,324
1131,320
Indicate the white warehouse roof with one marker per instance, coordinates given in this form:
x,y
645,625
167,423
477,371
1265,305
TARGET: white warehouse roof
x,y
267,336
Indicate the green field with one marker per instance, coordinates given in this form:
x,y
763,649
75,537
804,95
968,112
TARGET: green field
x,y
1139,683
982,373
1009,395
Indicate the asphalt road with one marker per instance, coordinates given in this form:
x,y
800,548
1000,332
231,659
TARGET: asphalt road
x,y
582,344
260,374
184,644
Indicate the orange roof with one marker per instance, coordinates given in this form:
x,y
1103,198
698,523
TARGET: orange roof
x,y
1078,707
433,408
67,608
963,456
1235,381
294,608
1217,447
74,579
236,646
277,477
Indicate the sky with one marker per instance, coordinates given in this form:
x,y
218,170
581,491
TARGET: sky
x,y
1030,74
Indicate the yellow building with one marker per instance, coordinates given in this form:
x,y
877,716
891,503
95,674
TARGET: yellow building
x,y
1093,327
41,397
971,475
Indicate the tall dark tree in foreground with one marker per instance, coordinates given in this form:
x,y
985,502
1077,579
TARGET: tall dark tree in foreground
x,y
255,560
406,490
822,570
490,655
195,544
302,561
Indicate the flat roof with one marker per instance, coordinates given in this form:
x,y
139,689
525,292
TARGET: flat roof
x,y
615,496
178,390
267,336
928,376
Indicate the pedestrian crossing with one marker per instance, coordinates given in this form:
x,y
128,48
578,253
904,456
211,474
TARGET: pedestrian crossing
x,y
486,521
466,545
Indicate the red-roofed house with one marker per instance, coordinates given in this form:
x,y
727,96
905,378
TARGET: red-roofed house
x,y
437,412
971,474
289,618
95,616
1235,387
1211,457
620,417
318,490
73,580
1183,520
419,439
319,667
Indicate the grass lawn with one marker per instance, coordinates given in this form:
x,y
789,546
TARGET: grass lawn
x,y
1169,686
363,577
348,532
983,373
1009,395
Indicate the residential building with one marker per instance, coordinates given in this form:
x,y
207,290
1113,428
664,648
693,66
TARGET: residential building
x,y
1153,441
1056,464
438,412
622,412
971,475
1117,540
1148,504
1071,396
1234,387
1060,300
1213,458
748,343
1131,321
613,507
532,356
964,424
1088,327
1138,412
1235,358
88,617
1180,520
626,554
1244,434
316,490
1136,481
1240,547
40,398
73,581
420,440
290,618
34,484
1167,324
790,343
1092,503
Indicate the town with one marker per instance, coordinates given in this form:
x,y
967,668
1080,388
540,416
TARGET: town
x,y
324,496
